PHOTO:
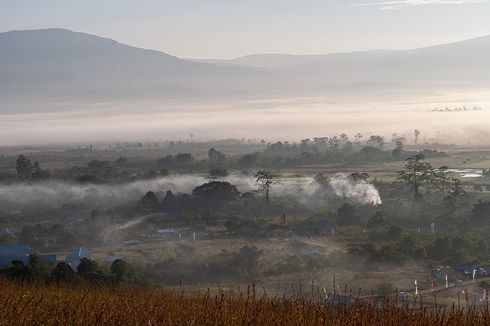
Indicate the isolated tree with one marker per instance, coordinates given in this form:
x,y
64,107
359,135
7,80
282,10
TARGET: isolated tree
x,y
398,150
63,273
216,156
119,268
376,141
442,178
456,194
416,172
264,181
416,135
149,202
87,268
24,167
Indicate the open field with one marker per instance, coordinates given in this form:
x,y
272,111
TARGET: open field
x,y
28,304
103,214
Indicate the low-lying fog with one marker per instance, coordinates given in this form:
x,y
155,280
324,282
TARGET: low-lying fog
x,y
464,119
55,194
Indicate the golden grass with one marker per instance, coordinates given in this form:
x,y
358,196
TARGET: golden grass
x,y
85,304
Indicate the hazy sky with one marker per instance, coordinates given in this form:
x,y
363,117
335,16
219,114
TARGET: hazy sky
x,y
231,28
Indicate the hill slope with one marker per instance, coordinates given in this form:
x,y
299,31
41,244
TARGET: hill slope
x,y
58,66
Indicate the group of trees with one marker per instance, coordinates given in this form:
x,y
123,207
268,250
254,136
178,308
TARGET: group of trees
x,y
418,173
213,194
26,170
319,150
39,270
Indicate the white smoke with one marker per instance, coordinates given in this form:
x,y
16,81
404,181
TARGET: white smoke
x,y
360,192
54,194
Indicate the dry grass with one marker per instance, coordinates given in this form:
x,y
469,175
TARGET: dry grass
x,y
38,304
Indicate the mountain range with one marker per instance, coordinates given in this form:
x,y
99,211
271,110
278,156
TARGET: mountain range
x,y
58,65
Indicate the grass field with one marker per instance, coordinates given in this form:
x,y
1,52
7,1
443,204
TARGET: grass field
x,y
38,304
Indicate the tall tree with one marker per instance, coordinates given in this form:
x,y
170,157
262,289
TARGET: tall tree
x,y
24,167
216,156
264,181
456,194
149,202
63,273
416,135
119,268
398,150
376,141
441,177
416,172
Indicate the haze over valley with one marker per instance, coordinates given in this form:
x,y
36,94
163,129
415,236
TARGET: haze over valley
x,y
62,77
245,162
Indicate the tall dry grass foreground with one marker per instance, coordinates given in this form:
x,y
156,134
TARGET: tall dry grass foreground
x,y
38,304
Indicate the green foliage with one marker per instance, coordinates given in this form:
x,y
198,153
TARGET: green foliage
x,y
24,168
120,269
480,213
217,192
264,181
63,273
416,172
456,194
149,203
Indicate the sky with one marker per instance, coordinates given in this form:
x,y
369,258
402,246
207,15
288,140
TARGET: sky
x,y
231,28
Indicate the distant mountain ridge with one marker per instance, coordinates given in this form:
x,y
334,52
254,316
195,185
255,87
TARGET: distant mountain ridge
x,y
281,60
58,65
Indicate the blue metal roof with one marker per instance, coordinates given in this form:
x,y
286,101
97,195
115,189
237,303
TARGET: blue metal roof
x,y
78,254
7,260
15,251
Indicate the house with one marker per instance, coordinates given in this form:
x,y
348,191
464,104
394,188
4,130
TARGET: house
x,y
15,251
20,253
468,270
110,258
74,257
162,233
